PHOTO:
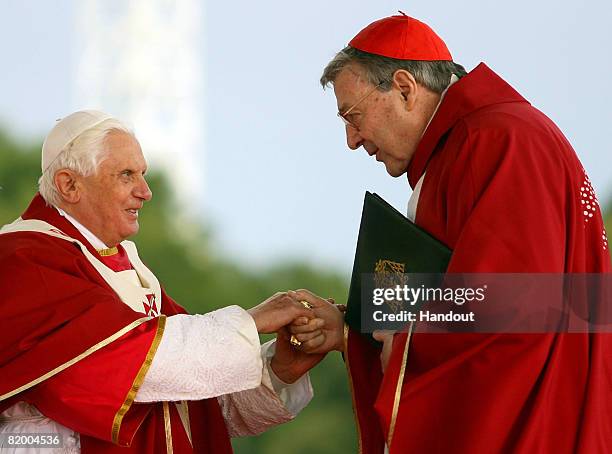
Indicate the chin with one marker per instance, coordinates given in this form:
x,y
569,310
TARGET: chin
x,y
395,171
127,233
395,167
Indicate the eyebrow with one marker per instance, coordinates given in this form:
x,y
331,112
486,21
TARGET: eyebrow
x,y
131,170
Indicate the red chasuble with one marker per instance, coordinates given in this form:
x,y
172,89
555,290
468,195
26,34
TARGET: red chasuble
x,y
504,189
73,349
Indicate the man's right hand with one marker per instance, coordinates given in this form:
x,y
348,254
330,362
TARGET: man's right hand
x,y
277,311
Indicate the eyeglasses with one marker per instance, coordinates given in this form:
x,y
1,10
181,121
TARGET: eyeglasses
x,y
344,115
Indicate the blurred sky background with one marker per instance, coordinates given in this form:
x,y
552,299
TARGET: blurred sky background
x,y
268,166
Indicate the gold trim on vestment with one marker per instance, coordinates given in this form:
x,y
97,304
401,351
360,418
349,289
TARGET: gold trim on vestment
x,y
398,388
76,359
352,389
129,398
182,408
129,295
107,252
168,428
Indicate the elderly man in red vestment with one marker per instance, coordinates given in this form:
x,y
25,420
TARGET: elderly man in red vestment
x,y
496,181
92,347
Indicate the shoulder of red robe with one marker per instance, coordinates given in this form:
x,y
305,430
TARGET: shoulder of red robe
x,y
401,37
479,89
73,309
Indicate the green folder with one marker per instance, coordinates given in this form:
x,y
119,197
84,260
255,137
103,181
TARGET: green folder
x,y
389,246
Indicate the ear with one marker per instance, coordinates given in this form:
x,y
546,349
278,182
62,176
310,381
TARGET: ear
x,y
66,183
407,86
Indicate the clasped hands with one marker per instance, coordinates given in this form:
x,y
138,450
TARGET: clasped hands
x,y
319,328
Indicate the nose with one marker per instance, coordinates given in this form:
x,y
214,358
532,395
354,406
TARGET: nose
x,y
142,190
353,138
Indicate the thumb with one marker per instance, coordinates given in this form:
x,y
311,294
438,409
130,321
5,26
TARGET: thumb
x,y
283,332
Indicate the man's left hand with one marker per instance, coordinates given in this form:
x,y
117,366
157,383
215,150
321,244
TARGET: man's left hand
x,y
290,363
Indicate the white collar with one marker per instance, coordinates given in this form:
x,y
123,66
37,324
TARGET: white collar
x,y
93,240
453,79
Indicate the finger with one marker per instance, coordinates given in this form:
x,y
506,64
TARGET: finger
x,y
382,335
276,296
313,344
313,325
300,311
297,309
307,296
300,321
385,354
308,336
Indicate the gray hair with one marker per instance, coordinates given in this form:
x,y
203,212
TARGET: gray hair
x,y
434,75
83,155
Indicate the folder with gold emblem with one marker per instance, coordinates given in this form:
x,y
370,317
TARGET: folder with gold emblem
x,y
389,247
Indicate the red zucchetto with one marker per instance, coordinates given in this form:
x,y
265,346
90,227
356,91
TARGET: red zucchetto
x,y
401,37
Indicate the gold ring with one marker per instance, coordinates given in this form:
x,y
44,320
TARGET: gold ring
x,y
306,304
294,341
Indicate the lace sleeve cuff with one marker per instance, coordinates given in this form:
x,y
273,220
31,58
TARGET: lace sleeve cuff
x,y
202,356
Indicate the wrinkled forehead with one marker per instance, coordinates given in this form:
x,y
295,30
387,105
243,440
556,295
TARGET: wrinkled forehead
x,y
122,148
349,85
120,139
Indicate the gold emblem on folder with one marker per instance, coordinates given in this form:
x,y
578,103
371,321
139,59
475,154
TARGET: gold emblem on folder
x,y
388,274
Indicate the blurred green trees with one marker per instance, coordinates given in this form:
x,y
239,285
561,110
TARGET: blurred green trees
x,y
201,280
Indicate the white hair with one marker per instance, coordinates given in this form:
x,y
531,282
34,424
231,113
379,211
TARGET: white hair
x,y
83,155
